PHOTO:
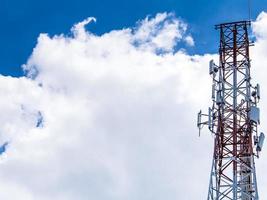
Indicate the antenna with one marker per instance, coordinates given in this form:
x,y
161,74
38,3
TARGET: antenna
x,y
249,10
258,91
260,142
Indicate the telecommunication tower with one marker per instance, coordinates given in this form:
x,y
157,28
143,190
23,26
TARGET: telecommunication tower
x,y
233,118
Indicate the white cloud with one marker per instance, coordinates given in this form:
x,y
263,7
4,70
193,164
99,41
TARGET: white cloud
x,y
259,63
189,40
259,26
160,33
118,117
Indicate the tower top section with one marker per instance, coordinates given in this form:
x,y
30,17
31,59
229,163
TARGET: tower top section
x,y
231,24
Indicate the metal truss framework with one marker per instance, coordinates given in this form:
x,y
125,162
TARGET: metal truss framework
x,y
233,118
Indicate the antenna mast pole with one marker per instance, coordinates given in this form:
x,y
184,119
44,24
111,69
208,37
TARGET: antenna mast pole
x,y
249,10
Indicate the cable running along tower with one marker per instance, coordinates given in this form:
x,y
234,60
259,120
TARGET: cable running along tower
x,y
233,118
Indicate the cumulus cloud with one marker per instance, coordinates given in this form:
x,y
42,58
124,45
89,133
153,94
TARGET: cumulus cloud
x,y
160,33
79,28
189,40
108,116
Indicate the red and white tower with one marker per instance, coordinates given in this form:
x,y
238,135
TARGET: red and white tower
x,y
233,118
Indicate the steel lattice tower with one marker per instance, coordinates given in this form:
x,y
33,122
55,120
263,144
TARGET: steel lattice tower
x,y
233,118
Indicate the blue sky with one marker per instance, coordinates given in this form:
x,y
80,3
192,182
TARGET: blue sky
x,y
22,21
